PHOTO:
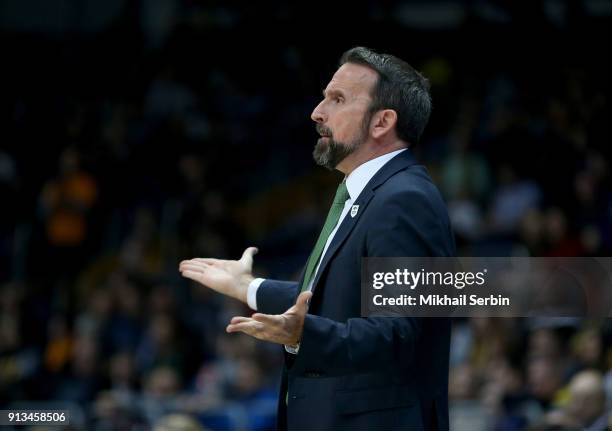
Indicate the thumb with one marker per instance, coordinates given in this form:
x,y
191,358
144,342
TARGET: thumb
x,y
303,301
247,256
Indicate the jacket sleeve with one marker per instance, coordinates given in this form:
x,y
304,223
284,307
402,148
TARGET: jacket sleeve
x,y
406,224
275,296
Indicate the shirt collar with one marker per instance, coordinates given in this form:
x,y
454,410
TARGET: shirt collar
x,y
361,176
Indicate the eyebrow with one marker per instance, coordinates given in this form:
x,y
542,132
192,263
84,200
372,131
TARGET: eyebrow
x,y
333,92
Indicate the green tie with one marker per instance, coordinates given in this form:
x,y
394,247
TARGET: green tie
x,y
330,223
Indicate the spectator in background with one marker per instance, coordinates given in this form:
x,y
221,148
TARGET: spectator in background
x,y
587,348
161,345
544,379
162,387
82,380
586,407
66,203
177,422
512,200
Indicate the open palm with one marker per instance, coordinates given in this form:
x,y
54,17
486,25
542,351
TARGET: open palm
x,y
229,277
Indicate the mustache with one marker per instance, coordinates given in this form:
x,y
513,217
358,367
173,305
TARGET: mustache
x,y
322,130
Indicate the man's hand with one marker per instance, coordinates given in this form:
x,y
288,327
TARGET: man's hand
x,y
283,328
229,277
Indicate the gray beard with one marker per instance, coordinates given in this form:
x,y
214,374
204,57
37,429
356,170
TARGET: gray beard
x,y
330,154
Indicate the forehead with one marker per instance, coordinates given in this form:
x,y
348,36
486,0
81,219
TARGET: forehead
x,y
354,79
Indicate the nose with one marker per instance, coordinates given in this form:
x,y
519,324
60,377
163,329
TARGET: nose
x,y
318,116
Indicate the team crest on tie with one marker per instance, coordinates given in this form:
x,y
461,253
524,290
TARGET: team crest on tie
x,y
354,210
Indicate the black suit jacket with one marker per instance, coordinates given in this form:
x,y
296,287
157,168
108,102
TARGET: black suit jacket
x,y
354,373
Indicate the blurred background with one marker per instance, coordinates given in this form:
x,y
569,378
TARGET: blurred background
x,y
135,134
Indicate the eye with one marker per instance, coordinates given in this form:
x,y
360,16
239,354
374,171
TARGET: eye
x,y
338,99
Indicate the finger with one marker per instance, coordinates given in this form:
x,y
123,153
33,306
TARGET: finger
x,y
194,262
197,260
247,256
239,319
251,327
192,267
207,260
193,275
267,318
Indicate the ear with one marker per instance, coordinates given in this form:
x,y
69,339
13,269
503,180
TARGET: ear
x,y
383,122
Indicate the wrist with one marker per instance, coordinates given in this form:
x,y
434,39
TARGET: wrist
x,y
243,287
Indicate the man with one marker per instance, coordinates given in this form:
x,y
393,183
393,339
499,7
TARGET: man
x,y
342,371
586,407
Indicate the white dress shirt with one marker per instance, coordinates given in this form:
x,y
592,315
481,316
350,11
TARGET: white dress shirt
x,y
355,183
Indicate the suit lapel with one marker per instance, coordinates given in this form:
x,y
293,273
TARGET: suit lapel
x,y
343,231
396,164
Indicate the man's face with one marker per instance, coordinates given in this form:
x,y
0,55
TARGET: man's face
x,y
341,116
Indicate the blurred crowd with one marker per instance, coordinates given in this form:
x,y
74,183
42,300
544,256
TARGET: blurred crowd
x,y
138,134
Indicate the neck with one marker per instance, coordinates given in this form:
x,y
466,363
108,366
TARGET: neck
x,y
366,153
